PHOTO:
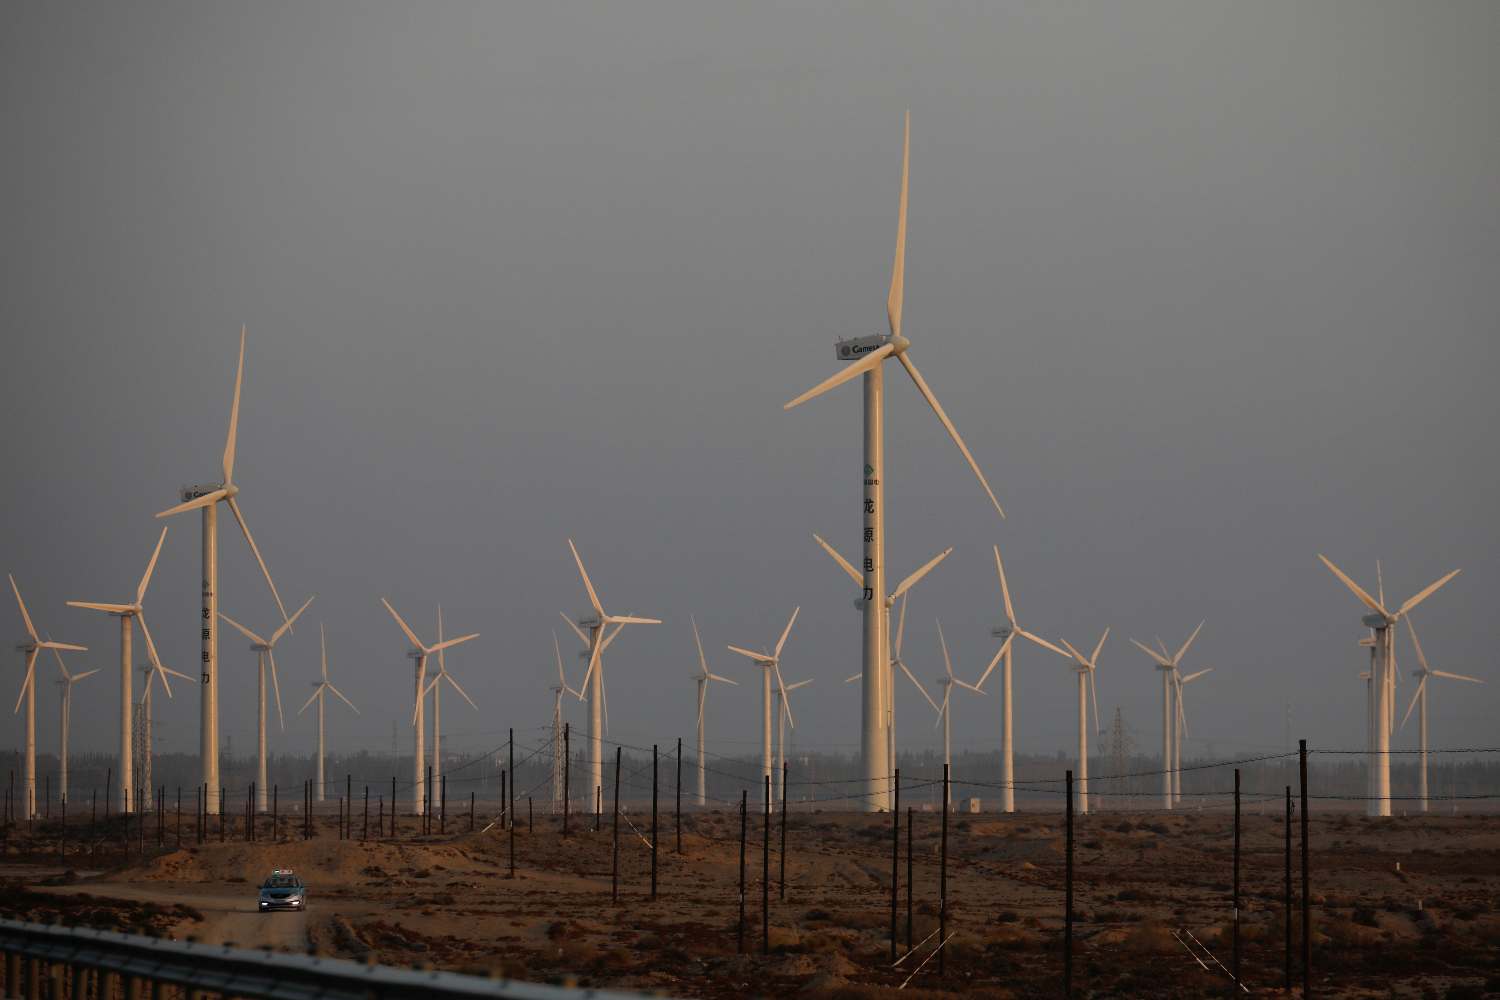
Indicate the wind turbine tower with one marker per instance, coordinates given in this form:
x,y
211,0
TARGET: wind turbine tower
x,y
558,690
1086,667
869,355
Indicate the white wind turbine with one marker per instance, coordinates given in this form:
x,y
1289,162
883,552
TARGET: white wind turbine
x,y
1171,751
320,695
703,677
593,679
144,744
783,718
872,352
207,498
1007,634
557,727
945,719
264,650
1423,672
420,652
435,686
1085,668
65,720
1383,681
31,647
1181,730
887,707
769,663
128,613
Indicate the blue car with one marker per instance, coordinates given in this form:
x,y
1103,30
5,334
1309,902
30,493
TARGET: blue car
x,y
283,891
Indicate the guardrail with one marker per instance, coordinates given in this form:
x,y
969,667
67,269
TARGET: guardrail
x,y
41,962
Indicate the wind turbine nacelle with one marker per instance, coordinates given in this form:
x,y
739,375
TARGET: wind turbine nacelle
x,y
1001,632
857,347
201,490
1374,620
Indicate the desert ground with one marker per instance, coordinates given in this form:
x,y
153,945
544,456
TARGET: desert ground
x,y
1404,907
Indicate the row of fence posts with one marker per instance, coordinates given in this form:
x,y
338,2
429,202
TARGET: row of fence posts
x,y
508,796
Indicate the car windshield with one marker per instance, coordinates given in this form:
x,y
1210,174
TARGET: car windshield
x,y
281,882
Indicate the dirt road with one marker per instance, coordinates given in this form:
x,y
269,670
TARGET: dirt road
x,y
227,919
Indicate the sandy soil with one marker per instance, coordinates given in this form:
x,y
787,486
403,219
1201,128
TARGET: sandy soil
x,y
1145,884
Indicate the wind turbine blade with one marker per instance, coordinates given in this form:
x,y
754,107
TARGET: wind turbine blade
x,y
947,663
168,670
1379,583
911,581
595,648
442,663
25,616
758,657
1426,592
276,686
1165,652
57,655
604,699
998,653
140,591
1157,657
310,700
702,696
631,620
323,648
49,644
89,673
1421,685
453,642
965,684
287,625
799,684
1099,646
1075,654
242,629
234,508
582,635
1451,677
454,684
1094,696
1359,592
726,680
844,374
587,583
151,649
557,651
1183,651
26,681
942,711
932,401
702,660
900,626
893,301
785,704
786,632
116,609
341,698
913,678
610,638
207,499
1043,642
843,563
234,415
1010,612
1192,677
1411,629
852,678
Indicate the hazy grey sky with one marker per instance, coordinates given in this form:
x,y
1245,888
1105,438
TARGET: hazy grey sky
x,y
1208,288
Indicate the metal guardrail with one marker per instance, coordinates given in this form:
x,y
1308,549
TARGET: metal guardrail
x,y
41,962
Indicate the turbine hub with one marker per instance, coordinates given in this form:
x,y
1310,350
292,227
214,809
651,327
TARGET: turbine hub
x,y
1376,620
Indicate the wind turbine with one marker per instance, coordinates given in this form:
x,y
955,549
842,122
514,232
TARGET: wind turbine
x,y
206,498
703,677
557,727
1181,731
769,663
31,648
888,678
1383,683
1085,670
783,717
1007,634
435,686
127,613
265,650
320,695
66,685
1423,672
872,352
947,680
1171,752
593,679
420,652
